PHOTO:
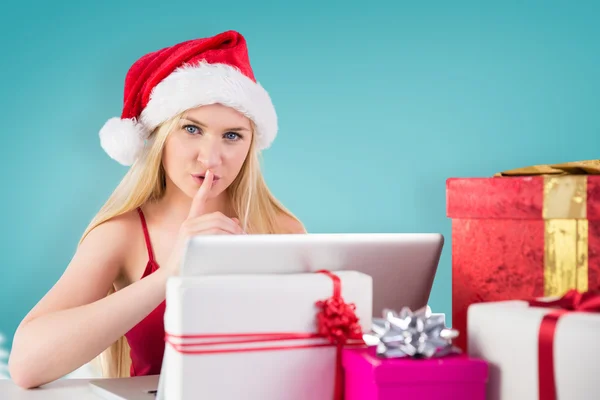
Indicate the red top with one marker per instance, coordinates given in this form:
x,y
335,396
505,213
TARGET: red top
x,y
147,338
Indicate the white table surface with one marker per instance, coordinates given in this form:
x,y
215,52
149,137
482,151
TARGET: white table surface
x,y
60,389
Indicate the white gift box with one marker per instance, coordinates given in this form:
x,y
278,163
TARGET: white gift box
x,y
255,304
505,333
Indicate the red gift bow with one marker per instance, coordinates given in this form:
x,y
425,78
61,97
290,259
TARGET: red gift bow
x,y
336,322
572,301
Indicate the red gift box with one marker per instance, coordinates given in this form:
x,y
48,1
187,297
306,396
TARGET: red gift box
x,y
520,237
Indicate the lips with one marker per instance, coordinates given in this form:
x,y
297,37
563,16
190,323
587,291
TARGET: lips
x,y
216,178
200,178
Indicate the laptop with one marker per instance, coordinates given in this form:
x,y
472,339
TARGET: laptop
x,y
402,267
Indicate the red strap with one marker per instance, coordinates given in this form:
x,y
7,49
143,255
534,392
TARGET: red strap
x,y
546,379
337,283
329,326
146,234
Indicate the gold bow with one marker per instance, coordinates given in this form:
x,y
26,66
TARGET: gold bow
x,y
585,167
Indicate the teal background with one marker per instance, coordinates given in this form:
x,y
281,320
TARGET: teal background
x,y
392,98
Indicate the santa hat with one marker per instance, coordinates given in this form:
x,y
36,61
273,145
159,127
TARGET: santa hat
x,y
169,81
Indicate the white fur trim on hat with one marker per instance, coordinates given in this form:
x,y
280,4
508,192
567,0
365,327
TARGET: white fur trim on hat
x,y
202,84
123,139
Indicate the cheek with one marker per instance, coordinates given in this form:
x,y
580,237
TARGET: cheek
x,y
236,157
174,153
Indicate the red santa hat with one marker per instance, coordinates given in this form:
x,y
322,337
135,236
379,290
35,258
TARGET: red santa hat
x,y
169,81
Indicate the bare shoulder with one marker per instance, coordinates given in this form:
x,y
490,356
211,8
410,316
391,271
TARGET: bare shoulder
x,y
114,235
289,224
117,227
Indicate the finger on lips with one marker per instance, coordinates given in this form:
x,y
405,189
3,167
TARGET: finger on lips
x,y
200,222
199,200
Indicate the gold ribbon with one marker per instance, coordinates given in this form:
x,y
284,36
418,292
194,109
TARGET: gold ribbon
x,y
565,234
565,223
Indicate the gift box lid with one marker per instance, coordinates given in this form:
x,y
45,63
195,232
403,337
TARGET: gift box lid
x,y
453,368
524,197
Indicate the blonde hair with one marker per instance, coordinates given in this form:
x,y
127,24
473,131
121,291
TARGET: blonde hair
x,y
251,199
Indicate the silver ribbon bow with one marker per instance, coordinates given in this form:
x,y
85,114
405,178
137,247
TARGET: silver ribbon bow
x,y
417,334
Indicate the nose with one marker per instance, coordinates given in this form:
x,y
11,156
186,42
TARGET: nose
x,y
209,152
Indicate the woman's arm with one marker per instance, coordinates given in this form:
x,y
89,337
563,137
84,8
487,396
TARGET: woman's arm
x,y
75,321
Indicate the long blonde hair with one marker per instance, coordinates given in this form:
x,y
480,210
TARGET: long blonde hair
x,y
251,199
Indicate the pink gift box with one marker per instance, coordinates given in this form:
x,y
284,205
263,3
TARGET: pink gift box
x,y
368,377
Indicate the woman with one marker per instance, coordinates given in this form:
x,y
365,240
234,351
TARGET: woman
x,y
193,122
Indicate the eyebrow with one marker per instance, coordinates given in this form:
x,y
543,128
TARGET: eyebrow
x,y
236,129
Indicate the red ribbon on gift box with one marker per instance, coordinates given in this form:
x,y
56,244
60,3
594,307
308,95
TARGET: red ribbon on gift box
x,y
336,322
572,301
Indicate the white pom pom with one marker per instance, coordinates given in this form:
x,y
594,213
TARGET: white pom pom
x,y
122,139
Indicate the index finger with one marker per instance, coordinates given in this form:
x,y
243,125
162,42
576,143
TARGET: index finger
x,y
199,200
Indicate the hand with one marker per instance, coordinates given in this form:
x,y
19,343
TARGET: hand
x,y
199,222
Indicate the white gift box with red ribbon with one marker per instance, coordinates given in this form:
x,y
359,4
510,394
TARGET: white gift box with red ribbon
x,y
250,336
539,349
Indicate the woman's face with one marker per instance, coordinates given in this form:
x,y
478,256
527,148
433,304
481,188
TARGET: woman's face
x,y
213,137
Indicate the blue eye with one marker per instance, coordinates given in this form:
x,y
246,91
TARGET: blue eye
x,y
232,136
191,129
